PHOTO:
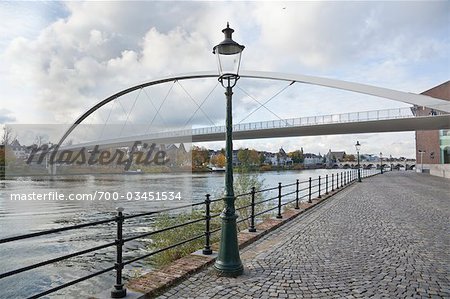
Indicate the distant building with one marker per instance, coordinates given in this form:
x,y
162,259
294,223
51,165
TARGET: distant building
x,y
283,158
20,151
270,158
434,144
332,158
235,158
176,156
277,159
312,160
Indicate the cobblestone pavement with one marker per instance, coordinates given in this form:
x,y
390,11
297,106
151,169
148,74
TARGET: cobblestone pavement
x,y
387,237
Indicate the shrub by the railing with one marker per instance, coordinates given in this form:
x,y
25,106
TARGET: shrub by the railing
x,y
172,236
243,183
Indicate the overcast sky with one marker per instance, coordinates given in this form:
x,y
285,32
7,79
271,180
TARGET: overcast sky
x,y
58,59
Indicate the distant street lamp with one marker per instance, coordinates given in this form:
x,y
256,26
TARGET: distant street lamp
x,y
228,262
358,147
381,162
421,152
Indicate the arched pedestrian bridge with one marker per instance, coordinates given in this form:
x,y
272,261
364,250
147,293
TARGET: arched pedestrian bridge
x,y
394,120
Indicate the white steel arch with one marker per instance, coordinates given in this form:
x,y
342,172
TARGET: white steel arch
x,y
405,97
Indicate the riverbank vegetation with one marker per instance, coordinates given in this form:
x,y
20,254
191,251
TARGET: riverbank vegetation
x,y
244,181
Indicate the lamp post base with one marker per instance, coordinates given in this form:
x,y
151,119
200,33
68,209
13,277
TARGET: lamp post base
x,y
229,270
228,262
118,292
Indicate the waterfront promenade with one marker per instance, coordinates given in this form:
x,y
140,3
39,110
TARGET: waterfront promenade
x,y
387,237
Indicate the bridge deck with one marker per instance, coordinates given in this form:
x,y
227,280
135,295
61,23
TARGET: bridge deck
x,y
385,237
283,128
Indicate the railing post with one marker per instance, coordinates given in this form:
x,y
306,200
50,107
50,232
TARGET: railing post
x,y
309,197
319,189
326,184
337,181
332,182
119,291
342,177
252,228
279,201
296,195
207,250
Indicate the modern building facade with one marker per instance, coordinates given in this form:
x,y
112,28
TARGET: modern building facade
x,y
433,147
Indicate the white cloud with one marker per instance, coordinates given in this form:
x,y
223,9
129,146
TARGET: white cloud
x,y
6,116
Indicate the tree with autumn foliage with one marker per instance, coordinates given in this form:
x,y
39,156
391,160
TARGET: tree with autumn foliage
x,y
349,158
218,160
296,156
248,157
200,156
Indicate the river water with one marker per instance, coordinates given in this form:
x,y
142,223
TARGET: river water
x,y
24,216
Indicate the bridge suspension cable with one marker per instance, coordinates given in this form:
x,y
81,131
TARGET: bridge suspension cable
x,y
154,107
199,106
160,106
262,105
131,110
121,106
107,119
271,98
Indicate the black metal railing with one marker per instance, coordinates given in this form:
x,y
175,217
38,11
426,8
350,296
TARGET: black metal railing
x,y
294,193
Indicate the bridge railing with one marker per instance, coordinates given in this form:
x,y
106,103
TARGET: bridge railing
x,y
275,199
312,120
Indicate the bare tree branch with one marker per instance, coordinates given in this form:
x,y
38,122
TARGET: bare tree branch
x,y
8,136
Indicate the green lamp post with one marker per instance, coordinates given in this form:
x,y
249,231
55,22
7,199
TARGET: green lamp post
x,y
228,262
358,147
381,162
